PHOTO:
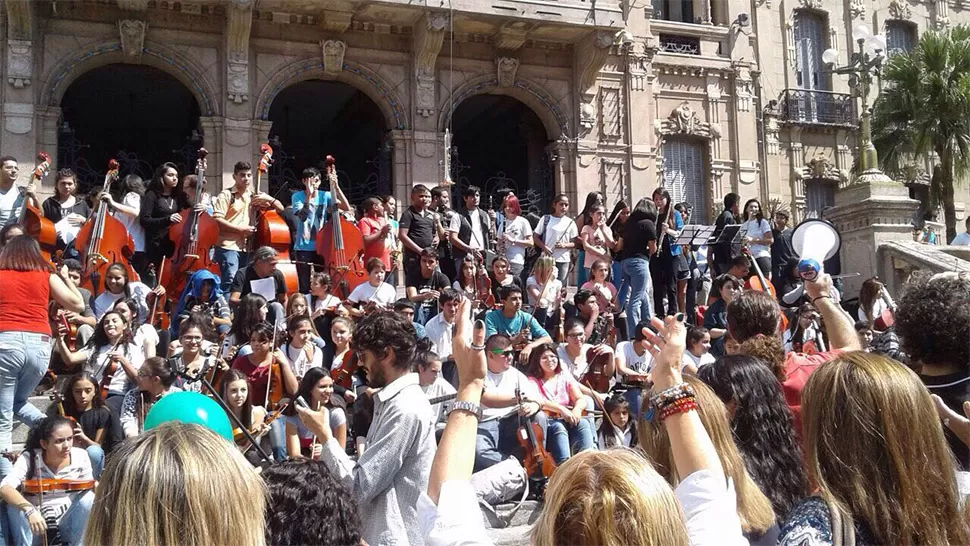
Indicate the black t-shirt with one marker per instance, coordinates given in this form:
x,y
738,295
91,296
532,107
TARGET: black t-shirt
x,y
93,420
242,281
636,239
722,251
420,227
954,389
438,281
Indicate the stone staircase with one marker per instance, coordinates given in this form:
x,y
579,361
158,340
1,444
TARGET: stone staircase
x,y
20,430
519,526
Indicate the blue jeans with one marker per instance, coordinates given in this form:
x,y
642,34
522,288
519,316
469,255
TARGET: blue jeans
x,y
24,357
496,439
563,440
230,261
71,525
582,274
277,439
96,454
636,272
620,282
634,397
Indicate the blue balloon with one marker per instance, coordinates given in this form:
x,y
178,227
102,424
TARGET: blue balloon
x,y
192,408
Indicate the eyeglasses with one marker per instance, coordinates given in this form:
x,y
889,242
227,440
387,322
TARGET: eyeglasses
x,y
576,334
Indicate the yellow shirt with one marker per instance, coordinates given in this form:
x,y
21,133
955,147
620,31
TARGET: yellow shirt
x,y
235,210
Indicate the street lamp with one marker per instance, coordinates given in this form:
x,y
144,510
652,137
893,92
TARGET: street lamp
x,y
865,64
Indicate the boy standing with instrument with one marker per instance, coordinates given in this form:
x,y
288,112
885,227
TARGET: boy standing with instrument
x,y
310,208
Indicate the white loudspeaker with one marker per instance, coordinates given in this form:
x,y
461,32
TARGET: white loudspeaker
x,y
814,241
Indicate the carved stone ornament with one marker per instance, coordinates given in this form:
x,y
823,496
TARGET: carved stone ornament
x,y
18,117
811,4
821,166
333,55
427,44
900,10
132,35
684,121
238,82
20,62
857,9
591,54
506,67
587,116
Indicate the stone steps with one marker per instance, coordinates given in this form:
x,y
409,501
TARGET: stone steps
x,y
20,430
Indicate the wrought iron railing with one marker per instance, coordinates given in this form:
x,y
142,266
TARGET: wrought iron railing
x,y
680,44
818,108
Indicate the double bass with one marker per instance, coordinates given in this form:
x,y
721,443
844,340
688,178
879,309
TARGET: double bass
x,y
341,245
193,237
104,240
32,219
271,230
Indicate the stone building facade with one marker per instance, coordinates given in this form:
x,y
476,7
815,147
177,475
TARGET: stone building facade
x,y
703,96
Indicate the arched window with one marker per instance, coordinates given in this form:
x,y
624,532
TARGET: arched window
x,y
900,37
684,173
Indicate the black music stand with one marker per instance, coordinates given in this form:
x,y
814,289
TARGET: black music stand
x,y
695,235
730,234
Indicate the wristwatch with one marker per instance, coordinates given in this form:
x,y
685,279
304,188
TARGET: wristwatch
x,y
474,409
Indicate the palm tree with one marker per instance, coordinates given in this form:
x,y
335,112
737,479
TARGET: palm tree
x,y
924,109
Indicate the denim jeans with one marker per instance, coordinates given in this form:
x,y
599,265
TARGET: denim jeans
x,y
277,439
24,357
582,273
96,454
71,525
496,439
562,272
563,440
620,282
230,261
636,271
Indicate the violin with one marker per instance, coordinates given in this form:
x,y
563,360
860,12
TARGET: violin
x,y
157,316
538,463
595,376
58,400
483,286
193,237
341,245
32,219
274,385
271,230
58,318
240,438
759,283
343,375
110,369
40,486
104,240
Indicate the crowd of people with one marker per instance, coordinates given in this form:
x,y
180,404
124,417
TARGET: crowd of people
x,y
528,355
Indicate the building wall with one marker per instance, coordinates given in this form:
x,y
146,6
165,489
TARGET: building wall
x,y
612,82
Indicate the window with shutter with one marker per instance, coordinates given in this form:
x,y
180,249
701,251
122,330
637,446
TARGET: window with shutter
x,y
900,37
685,174
809,43
819,194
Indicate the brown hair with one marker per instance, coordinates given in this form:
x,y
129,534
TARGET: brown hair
x,y
770,350
754,508
875,447
752,313
22,253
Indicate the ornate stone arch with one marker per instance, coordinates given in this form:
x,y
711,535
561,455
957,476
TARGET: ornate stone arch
x,y
525,91
153,54
351,73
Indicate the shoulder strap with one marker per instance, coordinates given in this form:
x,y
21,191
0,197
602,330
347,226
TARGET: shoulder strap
x,y
843,528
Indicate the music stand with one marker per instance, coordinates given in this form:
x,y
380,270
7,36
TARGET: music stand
x,y
694,235
731,234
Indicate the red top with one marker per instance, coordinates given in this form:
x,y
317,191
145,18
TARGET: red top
x,y
23,301
377,249
798,366
258,379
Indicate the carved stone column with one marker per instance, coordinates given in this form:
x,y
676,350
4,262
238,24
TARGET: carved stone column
x,y
239,21
591,54
213,134
563,159
401,169
429,34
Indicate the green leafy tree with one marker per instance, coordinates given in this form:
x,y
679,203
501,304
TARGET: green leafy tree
x,y
924,109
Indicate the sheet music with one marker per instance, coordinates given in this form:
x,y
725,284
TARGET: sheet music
x,y
264,287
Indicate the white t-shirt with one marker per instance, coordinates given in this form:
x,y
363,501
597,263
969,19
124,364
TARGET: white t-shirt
x,y
577,368
557,230
757,230
328,302
106,300
145,333
131,223
11,202
518,229
506,383
548,300
697,361
299,362
962,239
383,294
56,503
440,387
97,367
634,362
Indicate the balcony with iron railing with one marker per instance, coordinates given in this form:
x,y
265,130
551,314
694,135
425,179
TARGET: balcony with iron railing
x,y
812,107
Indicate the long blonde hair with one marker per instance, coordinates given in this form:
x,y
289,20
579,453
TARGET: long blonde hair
x,y
178,484
754,508
609,498
875,447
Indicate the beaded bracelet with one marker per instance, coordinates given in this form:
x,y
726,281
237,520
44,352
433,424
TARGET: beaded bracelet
x,y
668,395
681,406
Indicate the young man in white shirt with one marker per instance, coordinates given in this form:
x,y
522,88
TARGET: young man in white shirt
x,y
11,198
556,235
375,291
441,328
469,228
633,362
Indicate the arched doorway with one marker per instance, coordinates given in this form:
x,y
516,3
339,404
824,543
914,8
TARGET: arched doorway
x,y
137,114
500,142
315,118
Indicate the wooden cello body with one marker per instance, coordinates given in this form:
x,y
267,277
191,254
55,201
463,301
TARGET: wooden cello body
x,y
341,245
104,240
33,220
272,231
193,238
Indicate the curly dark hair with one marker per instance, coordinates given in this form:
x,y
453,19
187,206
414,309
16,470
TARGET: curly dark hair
x,y
378,332
752,313
762,427
933,319
307,505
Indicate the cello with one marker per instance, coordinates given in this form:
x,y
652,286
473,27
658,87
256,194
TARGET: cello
x,y
271,229
34,222
104,240
341,245
759,283
193,237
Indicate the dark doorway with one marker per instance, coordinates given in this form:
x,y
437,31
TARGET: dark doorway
x,y
136,114
500,142
315,118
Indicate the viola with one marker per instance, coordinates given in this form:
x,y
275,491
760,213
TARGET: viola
x,y
103,240
33,220
341,245
271,230
50,485
193,237
343,375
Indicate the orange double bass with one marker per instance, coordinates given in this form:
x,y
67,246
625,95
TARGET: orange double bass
x,y
271,229
341,245
193,237
32,219
103,240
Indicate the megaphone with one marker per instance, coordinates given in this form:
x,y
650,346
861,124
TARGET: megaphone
x,y
814,241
